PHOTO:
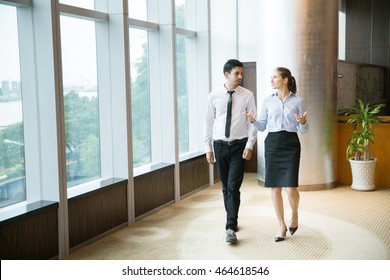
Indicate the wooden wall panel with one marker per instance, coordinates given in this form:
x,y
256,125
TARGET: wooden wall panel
x,y
153,189
194,173
97,212
31,235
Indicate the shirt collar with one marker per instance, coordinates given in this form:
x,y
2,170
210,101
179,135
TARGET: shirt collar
x,y
237,89
291,94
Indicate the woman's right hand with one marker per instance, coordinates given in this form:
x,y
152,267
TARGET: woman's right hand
x,y
251,117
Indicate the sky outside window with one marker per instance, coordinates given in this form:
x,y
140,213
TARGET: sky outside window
x,y
9,57
86,4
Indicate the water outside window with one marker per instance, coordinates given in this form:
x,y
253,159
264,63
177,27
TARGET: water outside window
x,y
12,164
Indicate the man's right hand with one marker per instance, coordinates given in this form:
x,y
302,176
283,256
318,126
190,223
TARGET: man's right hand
x,y
210,157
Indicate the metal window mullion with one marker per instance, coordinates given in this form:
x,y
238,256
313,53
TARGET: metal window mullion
x,y
135,23
29,96
17,3
82,13
186,32
61,142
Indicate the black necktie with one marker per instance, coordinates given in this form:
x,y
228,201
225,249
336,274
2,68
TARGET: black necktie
x,y
229,114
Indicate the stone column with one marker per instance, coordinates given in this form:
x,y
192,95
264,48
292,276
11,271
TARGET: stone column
x,y
302,35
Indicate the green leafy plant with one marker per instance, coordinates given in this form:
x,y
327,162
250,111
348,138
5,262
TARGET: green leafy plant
x,y
362,119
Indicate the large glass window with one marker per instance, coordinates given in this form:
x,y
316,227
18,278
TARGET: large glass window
x,y
81,107
180,6
140,97
86,4
185,53
182,94
12,167
138,9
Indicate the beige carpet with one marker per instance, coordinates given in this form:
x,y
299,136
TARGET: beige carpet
x,y
334,224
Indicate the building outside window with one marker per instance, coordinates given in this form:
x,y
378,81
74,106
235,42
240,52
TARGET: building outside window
x,y
12,160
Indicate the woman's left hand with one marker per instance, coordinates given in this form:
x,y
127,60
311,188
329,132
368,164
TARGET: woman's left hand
x,y
301,119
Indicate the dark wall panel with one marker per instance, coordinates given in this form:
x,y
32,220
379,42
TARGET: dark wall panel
x,y
368,34
250,82
31,234
194,173
97,212
153,189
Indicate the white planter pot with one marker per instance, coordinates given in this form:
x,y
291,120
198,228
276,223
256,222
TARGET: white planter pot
x,y
363,174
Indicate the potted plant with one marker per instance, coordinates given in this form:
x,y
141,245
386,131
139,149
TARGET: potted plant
x,y
362,118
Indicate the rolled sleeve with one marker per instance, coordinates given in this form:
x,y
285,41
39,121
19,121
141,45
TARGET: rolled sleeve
x,y
303,128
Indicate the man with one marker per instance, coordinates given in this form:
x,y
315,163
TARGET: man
x,y
228,139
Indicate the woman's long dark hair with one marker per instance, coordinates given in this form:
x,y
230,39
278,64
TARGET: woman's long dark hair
x,y
286,73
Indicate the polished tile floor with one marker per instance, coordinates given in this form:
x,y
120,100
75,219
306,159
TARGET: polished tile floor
x,y
336,224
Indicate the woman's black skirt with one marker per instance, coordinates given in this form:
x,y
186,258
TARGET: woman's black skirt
x,y
282,156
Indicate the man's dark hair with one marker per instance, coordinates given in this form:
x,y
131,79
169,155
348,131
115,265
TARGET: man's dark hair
x,y
230,64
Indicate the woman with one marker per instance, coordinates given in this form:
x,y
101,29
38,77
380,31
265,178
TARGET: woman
x,y
284,114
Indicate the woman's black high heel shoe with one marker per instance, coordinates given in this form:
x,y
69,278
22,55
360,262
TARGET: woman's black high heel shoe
x,y
279,238
292,230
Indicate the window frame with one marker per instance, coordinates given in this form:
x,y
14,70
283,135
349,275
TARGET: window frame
x,y
103,84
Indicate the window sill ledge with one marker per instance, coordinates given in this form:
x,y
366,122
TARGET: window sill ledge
x,y
13,214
